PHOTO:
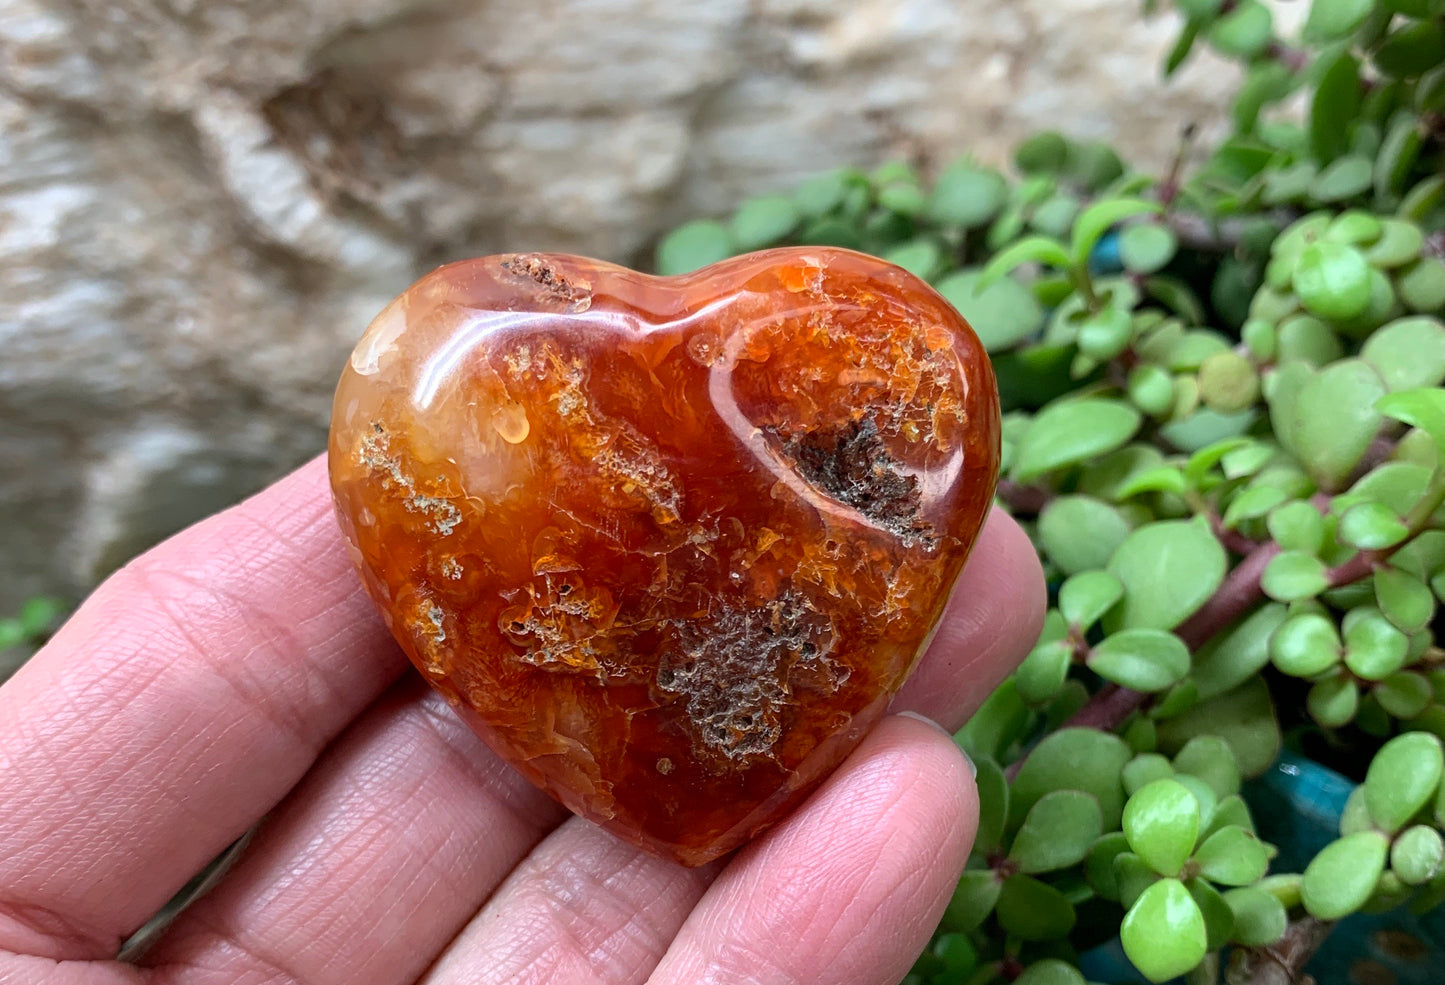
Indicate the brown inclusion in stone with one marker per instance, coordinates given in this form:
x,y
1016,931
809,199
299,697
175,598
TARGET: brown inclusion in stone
x,y
669,545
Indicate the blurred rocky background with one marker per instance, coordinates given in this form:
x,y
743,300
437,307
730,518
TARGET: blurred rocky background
x,y
203,202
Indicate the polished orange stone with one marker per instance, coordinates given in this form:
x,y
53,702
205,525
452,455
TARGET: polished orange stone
x,y
669,545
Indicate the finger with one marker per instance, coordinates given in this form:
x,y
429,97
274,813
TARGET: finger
x,y
231,932
405,824
992,621
873,855
182,701
584,907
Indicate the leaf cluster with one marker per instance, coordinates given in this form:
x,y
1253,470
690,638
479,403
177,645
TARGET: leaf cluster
x,y
1224,430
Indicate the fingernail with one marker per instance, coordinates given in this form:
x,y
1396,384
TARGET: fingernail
x,y
972,767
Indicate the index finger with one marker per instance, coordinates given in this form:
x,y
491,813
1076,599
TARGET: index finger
x,y
185,698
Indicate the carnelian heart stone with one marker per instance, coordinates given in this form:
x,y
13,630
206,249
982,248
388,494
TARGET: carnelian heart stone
x,y
669,545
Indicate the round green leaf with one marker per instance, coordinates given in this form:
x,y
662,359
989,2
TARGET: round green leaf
x,y
1230,810
973,900
1147,247
1074,759
1144,769
1374,648
1044,671
1163,933
1142,735
1292,576
1336,99
1033,911
1232,856
1333,701
1371,526
956,955
1305,338
693,246
903,197
1050,972
764,221
1228,382
1105,334
1243,32
1218,918
1151,388
1340,879
1073,431
1408,352
1212,760
1403,777
1086,596
1099,864
1331,419
1284,887
1296,526
1412,49
1057,832
824,192
1416,854
1423,408
1243,717
1203,794
1199,10
1345,178
1042,153
1236,655
1004,314
1252,503
1099,217
1404,599
966,196
1333,20
1169,569
1399,243
993,804
1397,485
922,258
1161,822
1081,533
1306,645
1146,660
1422,285
1404,695
831,232
1261,339
1259,917
1132,875
1356,227
1332,280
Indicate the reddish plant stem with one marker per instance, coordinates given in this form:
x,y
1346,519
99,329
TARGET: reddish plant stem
x,y
1105,711
1281,963
1112,705
1239,591
1233,540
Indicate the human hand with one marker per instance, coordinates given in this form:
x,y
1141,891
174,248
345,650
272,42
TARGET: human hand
x,y
237,671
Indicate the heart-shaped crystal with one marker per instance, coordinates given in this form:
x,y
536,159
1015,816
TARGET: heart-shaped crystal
x,y
669,545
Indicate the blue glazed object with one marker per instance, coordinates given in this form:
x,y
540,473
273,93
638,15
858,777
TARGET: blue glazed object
x,y
1389,947
1296,806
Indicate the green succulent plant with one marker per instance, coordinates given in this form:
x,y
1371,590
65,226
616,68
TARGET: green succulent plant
x,y
1225,431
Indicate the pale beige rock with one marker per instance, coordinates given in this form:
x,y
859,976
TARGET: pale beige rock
x,y
203,202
